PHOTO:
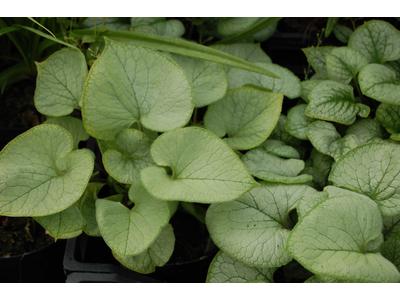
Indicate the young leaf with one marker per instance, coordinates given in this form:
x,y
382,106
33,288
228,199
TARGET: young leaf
x,y
127,155
224,268
246,114
157,255
297,122
379,83
205,169
342,33
330,25
257,222
131,83
343,64
334,101
60,83
289,84
279,133
391,249
324,137
208,79
130,232
332,240
272,168
372,170
279,148
378,40
88,208
32,180
316,57
67,221
73,125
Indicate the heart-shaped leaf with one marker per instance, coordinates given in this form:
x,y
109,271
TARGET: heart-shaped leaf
x,y
334,101
379,83
378,40
33,180
394,66
309,201
289,84
73,125
205,169
324,137
128,154
130,232
372,170
67,221
247,51
224,268
272,168
332,240
316,57
60,83
247,115
208,79
343,64
257,222
130,83
297,122
157,255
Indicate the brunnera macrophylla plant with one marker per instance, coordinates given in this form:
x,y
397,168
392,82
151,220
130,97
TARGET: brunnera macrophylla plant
x,y
317,185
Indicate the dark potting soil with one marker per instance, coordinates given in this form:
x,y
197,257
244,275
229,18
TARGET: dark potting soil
x,y
21,235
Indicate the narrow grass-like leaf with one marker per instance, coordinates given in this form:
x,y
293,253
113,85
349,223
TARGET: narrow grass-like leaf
x,y
179,46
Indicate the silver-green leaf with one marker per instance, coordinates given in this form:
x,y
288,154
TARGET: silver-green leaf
x,y
130,83
205,169
40,174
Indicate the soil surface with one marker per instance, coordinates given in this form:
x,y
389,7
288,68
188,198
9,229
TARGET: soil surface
x,y
21,235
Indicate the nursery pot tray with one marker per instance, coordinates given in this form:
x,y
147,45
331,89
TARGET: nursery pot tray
x,y
89,259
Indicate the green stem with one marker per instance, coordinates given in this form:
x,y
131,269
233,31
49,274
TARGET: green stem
x,y
194,116
355,82
140,126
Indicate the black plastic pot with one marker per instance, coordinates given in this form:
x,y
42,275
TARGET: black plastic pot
x,y
89,259
43,265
